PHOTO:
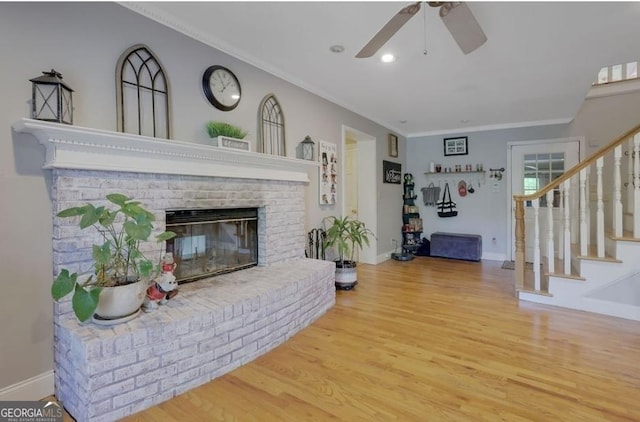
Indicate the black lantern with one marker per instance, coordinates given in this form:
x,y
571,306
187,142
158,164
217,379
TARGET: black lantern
x,y
51,98
308,148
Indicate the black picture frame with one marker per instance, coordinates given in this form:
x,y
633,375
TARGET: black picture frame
x,y
456,146
391,172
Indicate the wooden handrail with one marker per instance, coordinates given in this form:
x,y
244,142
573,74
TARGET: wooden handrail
x,y
576,169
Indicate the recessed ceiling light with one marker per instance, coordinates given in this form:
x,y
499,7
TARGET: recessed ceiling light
x,y
336,48
403,121
464,121
388,58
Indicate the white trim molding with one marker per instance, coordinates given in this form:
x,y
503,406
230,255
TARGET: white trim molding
x,y
75,147
34,388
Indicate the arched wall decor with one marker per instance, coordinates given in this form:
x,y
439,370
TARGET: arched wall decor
x,y
272,140
142,94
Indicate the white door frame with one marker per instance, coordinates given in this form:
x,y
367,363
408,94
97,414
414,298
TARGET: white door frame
x,y
510,205
366,167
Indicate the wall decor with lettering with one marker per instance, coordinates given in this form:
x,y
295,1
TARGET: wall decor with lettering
x,y
391,172
328,154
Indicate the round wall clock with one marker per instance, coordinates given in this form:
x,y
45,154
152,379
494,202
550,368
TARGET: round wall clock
x,y
221,87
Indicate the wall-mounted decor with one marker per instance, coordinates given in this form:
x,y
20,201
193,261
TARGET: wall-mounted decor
x,y
456,146
391,172
142,94
393,145
271,124
328,172
221,87
51,98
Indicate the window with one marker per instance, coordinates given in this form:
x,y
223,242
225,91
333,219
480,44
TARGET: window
x,y
142,94
272,127
539,170
617,73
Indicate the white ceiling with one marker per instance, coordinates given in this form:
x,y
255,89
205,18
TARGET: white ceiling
x,y
536,67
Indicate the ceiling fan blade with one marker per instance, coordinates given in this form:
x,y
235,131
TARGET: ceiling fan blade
x,y
463,26
388,30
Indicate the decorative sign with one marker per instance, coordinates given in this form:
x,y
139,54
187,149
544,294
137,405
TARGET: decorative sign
x,y
328,173
391,172
232,143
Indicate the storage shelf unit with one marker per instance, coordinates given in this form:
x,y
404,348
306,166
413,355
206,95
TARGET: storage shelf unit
x,y
411,221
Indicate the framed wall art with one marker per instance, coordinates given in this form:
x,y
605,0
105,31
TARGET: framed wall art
x,y
328,180
391,172
393,145
456,146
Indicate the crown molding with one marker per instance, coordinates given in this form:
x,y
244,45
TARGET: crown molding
x,y
485,128
75,147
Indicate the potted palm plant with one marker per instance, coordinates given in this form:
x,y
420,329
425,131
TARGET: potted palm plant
x,y
117,287
345,234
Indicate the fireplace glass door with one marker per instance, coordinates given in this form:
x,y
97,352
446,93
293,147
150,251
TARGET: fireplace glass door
x,y
212,242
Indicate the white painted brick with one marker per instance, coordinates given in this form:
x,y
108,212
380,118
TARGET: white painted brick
x,y
133,396
97,367
227,348
213,343
112,390
131,371
156,374
178,355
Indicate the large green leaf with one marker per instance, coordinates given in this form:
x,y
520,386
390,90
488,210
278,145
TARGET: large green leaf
x,y
165,236
117,198
90,216
145,267
85,302
63,284
137,231
102,254
107,218
72,212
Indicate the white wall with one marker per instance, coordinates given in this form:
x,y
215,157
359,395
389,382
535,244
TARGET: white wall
x,y
83,41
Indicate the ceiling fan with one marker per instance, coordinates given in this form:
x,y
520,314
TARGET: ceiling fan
x,y
456,16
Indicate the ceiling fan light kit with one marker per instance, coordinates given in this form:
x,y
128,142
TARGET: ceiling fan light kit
x,y
456,16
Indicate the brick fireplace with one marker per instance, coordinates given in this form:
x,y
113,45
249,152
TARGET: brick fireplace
x,y
213,325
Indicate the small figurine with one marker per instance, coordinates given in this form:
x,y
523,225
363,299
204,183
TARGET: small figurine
x,y
163,288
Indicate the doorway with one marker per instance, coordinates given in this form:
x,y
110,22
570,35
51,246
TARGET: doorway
x,y
359,184
533,165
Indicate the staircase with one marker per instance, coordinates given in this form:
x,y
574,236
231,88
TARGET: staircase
x,y
591,260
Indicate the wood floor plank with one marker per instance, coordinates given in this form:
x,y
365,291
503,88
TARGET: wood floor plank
x,y
427,340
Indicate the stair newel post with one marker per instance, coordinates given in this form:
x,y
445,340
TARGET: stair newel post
x,y
566,189
617,191
583,213
520,242
600,209
536,243
636,185
550,247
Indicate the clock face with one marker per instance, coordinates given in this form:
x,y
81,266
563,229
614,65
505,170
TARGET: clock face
x,y
221,87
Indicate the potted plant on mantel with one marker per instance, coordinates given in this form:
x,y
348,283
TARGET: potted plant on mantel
x,y
345,234
117,288
226,135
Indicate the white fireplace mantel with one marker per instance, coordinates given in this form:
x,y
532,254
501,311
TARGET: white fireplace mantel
x,y
75,147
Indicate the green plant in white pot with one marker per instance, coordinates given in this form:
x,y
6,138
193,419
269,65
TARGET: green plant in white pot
x,y
117,287
345,234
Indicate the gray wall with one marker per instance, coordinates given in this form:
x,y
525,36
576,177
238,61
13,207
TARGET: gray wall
x,y
83,41
483,212
600,120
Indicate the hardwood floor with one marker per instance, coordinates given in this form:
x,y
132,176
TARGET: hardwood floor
x,y
430,340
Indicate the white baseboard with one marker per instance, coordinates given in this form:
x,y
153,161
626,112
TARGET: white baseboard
x,y
35,388
493,256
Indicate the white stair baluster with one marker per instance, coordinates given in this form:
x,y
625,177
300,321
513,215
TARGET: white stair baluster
x,y
566,186
629,201
583,212
536,243
550,251
600,210
636,186
617,192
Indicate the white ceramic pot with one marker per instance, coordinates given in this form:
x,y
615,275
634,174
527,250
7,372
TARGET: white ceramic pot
x,y
346,275
121,301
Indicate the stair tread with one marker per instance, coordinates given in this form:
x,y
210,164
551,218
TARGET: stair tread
x,y
533,291
570,276
592,254
627,235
